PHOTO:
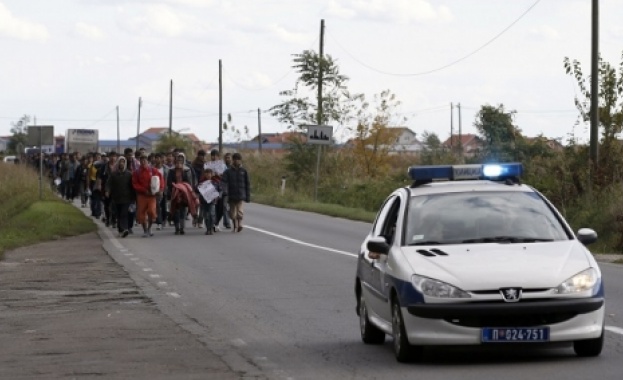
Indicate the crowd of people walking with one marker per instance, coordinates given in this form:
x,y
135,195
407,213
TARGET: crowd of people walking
x,y
155,191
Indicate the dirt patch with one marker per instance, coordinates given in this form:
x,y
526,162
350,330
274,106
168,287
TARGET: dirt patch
x,y
67,310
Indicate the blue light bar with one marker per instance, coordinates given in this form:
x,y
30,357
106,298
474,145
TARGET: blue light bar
x,y
463,172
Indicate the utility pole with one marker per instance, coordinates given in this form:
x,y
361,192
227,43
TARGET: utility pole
x,y
319,116
220,106
451,126
594,151
259,129
458,106
118,140
138,122
171,108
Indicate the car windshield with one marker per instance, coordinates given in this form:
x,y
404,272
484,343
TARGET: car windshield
x,y
481,217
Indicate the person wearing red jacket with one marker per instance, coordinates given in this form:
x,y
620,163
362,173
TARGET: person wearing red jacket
x,y
146,198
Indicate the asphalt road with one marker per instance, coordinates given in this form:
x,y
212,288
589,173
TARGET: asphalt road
x,y
277,300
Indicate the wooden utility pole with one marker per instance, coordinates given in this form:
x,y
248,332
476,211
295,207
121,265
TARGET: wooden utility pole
x,y
259,129
220,106
118,137
319,116
320,73
458,106
451,126
171,108
594,135
138,122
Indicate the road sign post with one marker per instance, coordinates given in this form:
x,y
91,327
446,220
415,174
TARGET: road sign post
x,y
319,135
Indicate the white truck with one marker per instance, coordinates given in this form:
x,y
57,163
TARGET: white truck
x,y
81,140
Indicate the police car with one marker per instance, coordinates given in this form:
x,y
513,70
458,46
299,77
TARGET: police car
x,y
468,255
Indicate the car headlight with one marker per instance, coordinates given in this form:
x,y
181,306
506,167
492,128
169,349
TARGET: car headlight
x,y
435,288
581,282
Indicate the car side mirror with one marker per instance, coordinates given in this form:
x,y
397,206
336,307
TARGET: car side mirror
x,y
378,245
587,236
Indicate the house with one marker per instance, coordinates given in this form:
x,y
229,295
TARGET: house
x,y
4,143
469,143
404,141
552,144
149,138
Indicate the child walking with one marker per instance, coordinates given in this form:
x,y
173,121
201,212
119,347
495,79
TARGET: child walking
x,y
210,193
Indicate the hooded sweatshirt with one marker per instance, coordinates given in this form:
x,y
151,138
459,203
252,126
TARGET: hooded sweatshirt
x,y
119,185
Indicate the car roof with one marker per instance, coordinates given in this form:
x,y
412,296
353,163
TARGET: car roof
x,y
467,186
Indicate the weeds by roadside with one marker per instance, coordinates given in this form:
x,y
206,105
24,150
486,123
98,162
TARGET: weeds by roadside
x,y
25,219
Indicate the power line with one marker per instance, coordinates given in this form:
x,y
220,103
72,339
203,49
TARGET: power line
x,y
442,67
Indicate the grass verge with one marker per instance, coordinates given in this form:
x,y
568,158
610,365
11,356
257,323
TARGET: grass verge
x,y
316,207
42,221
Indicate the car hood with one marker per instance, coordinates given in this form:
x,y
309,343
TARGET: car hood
x,y
492,266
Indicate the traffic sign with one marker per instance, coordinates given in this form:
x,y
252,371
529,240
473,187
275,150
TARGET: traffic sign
x,y
319,134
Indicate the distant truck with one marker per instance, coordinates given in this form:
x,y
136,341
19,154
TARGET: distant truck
x,y
81,140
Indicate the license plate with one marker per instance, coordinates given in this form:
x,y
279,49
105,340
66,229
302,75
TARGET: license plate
x,y
515,334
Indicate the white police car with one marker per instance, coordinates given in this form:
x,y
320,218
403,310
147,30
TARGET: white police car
x,y
477,258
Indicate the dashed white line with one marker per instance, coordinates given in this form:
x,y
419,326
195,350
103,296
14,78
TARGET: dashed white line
x,y
173,294
300,242
147,270
128,254
154,275
162,283
616,330
238,342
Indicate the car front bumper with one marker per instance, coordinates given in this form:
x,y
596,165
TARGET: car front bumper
x,y
461,324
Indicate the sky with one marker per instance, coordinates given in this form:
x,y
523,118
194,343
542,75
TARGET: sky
x,y
71,63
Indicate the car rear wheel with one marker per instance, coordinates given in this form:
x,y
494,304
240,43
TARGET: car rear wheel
x,y
370,334
589,347
403,350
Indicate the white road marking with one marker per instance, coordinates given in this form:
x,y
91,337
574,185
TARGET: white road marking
x,y
147,270
135,259
302,242
173,294
154,275
238,342
616,330
128,254
162,283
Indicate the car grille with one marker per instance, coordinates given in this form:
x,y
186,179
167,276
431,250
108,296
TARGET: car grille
x,y
493,320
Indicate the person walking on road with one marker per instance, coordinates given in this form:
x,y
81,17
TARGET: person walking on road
x,y
237,187
145,195
180,193
119,189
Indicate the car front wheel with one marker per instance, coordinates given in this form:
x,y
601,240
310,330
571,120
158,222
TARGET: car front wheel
x,y
403,350
370,334
589,347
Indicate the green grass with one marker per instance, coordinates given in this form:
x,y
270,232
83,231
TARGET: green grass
x,y
317,207
43,221
26,218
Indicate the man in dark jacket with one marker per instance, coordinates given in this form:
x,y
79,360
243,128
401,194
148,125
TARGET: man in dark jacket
x,y
237,187
119,189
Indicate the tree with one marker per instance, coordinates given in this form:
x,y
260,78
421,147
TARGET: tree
x,y
373,136
496,127
168,142
301,107
232,133
610,113
19,129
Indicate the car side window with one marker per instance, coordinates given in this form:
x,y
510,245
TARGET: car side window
x,y
389,224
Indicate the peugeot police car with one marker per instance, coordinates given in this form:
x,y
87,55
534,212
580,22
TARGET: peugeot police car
x,y
468,255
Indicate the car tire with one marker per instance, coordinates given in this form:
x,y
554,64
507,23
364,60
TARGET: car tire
x,y
589,347
404,351
370,334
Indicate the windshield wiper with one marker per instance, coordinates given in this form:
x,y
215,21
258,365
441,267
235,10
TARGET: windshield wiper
x,y
507,239
426,242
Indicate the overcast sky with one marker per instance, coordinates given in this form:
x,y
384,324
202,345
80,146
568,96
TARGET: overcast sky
x,y
69,63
